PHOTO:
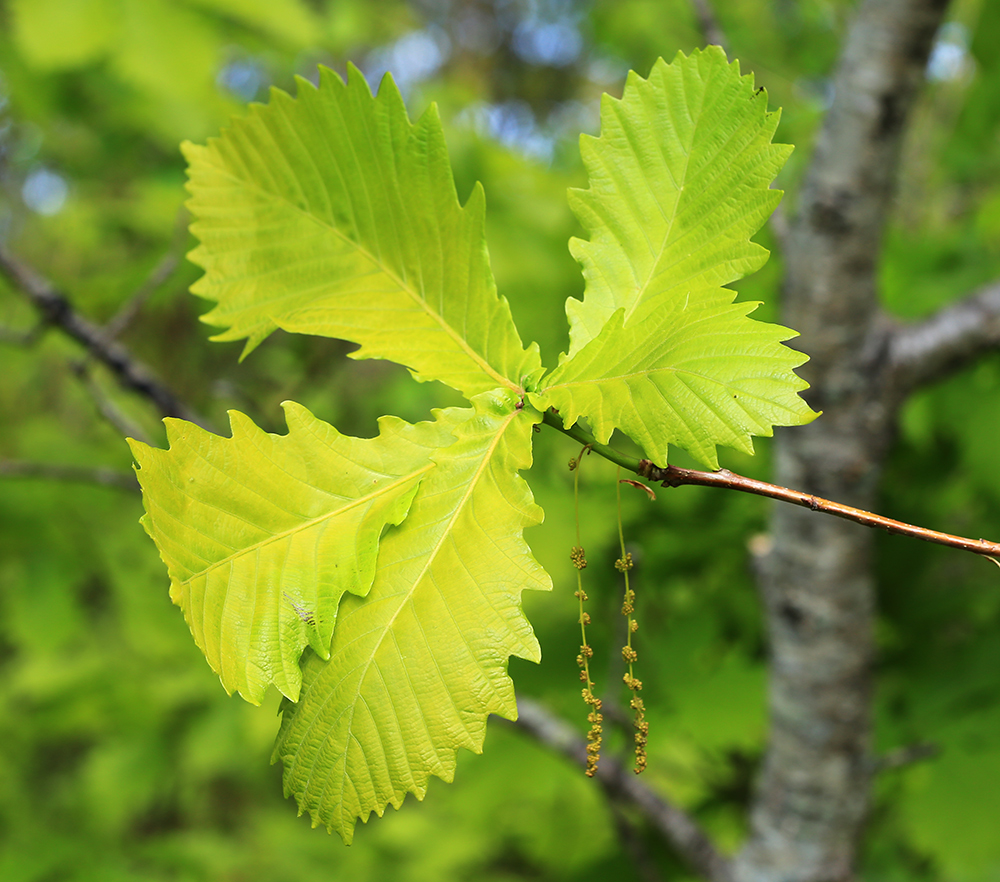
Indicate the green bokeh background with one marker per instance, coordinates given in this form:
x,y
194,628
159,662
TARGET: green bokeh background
x,y
121,758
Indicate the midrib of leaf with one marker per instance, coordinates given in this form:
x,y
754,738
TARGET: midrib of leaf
x,y
641,292
445,533
655,269
484,365
354,503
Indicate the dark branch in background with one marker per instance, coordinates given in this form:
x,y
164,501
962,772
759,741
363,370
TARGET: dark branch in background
x,y
709,24
10,468
105,406
953,337
11,337
624,788
160,273
672,476
906,756
631,841
130,309
56,311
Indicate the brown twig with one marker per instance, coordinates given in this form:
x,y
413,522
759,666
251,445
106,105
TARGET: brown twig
x,y
620,785
672,476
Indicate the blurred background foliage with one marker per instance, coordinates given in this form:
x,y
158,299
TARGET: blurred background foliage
x,y
120,756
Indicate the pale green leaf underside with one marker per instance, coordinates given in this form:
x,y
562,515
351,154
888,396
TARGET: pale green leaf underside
x,y
416,667
678,183
697,374
332,214
262,534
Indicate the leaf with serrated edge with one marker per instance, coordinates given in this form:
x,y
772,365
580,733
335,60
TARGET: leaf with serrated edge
x,y
698,375
332,214
416,667
678,183
262,534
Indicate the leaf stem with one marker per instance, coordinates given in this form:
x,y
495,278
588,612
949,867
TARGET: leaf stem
x,y
578,433
673,476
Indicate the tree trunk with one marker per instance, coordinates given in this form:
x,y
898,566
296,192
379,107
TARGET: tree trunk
x,y
816,582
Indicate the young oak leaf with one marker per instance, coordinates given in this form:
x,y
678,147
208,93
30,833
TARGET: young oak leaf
x,y
696,374
262,534
678,183
417,666
332,214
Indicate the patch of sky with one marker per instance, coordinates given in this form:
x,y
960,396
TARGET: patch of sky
x,y
950,59
551,43
548,33
243,78
512,124
44,191
414,57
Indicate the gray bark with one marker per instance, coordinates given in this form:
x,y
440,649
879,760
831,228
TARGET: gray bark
x,y
816,582
923,352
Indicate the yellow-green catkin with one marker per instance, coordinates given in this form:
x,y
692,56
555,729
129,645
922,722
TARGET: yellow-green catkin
x,y
579,558
623,565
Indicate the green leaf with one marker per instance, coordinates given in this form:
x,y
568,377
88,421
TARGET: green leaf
x,y
262,534
416,667
678,183
696,374
332,214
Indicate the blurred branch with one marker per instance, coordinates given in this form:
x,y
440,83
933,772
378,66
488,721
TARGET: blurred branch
x,y
780,226
57,311
11,337
106,407
619,784
130,309
163,270
926,351
12,468
632,843
709,24
905,756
